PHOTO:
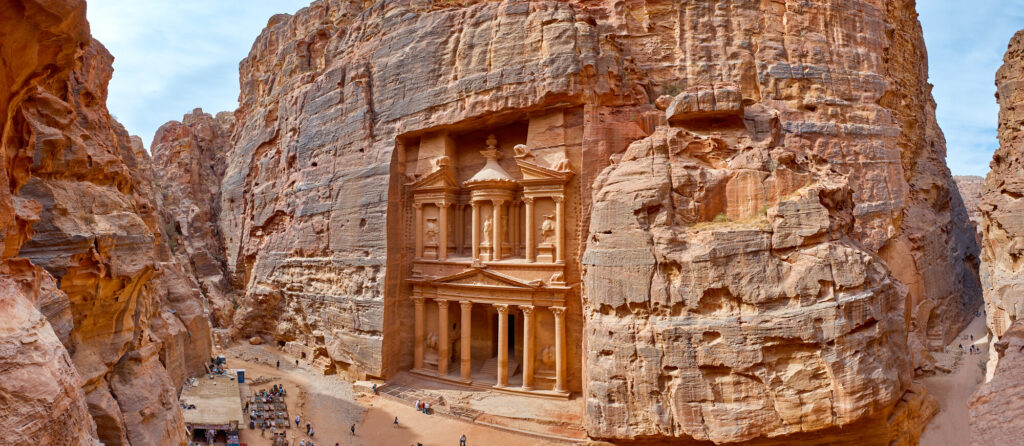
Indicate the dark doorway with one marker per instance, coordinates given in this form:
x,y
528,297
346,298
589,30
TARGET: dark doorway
x,y
511,334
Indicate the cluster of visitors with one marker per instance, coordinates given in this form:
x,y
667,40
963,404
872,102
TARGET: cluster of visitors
x,y
423,407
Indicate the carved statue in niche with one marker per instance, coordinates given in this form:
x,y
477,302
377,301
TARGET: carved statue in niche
x,y
547,229
547,356
431,340
430,232
486,235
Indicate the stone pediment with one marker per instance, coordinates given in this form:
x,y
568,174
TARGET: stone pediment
x,y
483,277
440,179
533,172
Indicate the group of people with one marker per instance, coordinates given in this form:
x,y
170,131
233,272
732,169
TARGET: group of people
x,y
972,349
423,406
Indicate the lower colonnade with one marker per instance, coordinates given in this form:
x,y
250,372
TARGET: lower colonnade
x,y
466,366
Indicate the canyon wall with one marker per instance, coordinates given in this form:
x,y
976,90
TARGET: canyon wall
x,y
767,221
1002,208
191,156
996,407
100,324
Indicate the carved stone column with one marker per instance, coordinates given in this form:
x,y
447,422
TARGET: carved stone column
x,y
559,229
530,255
559,348
418,346
528,340
502,344
513,227
496,239
476,230
460,228
419,230
442,219
467,345
442,337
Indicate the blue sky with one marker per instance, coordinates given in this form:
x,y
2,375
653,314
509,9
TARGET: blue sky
x,y
966,41
171,57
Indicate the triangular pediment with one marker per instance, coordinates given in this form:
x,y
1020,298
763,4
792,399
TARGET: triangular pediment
x,y
533,171
483,277
440,178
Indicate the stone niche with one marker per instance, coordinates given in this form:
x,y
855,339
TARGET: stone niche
x,y
485,215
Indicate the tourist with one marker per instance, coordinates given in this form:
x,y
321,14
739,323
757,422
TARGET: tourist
x,y
396,422
972,338
418,407
297,421
375,389
426,408
302,442
311,432
353,429
263,430
308,427
278,363
296,363
462,440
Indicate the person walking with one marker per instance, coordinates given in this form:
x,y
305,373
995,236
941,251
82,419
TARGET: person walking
x,y
308,427
353,429
297,421
375,389
311,432
278,363
396,422
462,440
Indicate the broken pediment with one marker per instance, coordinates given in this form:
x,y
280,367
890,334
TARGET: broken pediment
x,y
533,172
483,277
442,178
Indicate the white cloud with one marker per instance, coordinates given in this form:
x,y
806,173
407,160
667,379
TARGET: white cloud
x,y
173,56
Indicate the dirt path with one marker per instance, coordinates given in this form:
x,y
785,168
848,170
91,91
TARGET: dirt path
x,y
331,406
951,426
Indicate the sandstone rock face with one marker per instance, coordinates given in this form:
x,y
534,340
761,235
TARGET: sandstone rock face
x,y
1002,210
971,188
765,253
190,154
996,409
97,330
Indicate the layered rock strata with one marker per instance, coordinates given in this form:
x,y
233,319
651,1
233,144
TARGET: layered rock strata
x,y
97,332
1002,208
769,240
996,409
190,154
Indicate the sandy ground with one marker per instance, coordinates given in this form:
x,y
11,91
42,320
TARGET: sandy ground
x,y
331,406
951,426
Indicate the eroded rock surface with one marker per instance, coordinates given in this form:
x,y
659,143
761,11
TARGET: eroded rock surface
x,y
83,271
190,154
996,408
770,241
1002,210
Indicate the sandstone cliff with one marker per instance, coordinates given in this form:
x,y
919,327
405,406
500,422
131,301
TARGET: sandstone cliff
x,y
1001,207
770,242
191,157
996,408
971,188
82,243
